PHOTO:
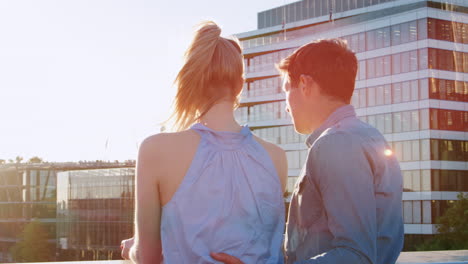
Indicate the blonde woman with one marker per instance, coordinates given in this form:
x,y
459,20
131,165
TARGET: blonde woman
x,y
212,186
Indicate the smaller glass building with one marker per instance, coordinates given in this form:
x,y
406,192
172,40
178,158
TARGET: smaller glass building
x,y
94,212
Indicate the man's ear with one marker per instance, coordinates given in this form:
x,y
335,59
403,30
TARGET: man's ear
x,y
306,84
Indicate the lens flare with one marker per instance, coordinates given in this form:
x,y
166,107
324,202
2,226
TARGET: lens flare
x,y
388,152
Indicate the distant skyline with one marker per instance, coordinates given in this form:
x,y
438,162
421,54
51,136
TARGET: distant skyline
x,y
89,80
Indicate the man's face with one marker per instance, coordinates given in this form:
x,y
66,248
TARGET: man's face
x,y
296,105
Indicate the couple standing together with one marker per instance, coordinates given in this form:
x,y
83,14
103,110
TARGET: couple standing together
x,y
213,192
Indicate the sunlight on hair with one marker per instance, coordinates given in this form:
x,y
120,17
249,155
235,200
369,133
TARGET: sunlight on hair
x,y
388,152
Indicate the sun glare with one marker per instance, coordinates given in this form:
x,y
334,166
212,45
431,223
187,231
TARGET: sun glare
x,y
388,152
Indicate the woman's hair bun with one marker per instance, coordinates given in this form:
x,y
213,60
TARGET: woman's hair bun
x,y
209,28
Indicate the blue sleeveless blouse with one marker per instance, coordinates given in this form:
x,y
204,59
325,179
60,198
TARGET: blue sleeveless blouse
x,y
230,201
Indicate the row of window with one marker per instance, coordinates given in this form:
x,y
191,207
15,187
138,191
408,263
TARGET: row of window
x,y
305,9
262,112
398,92
382,37
12,230
390,93
395,122
448,60
424,212
415,120
266,61
433,149
417,212
408,150
413,90
18,211
280,135
262,87
40,177
95,235
447,30
409,61
448,90
435,180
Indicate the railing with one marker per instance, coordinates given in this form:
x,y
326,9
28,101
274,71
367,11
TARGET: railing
x,y
421,257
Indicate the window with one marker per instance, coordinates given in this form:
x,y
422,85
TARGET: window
x,y
371,39
387,94
404,33
426,180
371,96
387,70
388,123
422,28
423,89
405,62
407,212
370,68
362,70
414,90
396,64
397,123
396,35
396,92
413,31
405,92
415,156
379,95
362,98
417,212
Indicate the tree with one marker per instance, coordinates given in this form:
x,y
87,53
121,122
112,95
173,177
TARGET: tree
x,y
35,159
33,245
2,161
18,159
452,227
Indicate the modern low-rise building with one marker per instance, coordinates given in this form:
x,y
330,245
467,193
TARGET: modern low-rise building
x,y
28,191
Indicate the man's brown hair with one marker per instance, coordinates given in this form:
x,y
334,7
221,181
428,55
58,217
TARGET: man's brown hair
x,y
330,63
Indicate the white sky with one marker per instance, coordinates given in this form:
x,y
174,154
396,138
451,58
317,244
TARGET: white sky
x,y
75,74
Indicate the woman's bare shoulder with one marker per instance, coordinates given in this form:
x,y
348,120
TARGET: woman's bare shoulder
x,y
278,156
273,149
164,144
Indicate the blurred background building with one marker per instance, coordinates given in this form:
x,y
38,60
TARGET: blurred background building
x,y
411,85
28,192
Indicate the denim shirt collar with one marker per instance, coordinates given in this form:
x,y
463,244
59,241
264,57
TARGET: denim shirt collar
x,y
338,115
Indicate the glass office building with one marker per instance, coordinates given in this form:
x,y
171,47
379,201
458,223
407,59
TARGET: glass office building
x,y
29,191
26,193
94,212
411,85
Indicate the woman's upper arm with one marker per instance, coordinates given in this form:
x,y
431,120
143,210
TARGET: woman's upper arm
x,y
147,203
282,167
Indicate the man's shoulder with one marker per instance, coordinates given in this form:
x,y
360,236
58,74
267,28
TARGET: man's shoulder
x,y
352,130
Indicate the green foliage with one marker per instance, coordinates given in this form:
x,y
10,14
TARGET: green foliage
x,y
452,228
35,159
33,245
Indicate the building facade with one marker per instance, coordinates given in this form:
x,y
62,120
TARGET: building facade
x,y
95,212
411,85
28,191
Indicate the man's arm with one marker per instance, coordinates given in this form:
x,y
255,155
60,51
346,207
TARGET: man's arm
x,y
343,174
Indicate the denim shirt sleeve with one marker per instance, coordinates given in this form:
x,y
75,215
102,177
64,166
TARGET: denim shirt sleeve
x,y
342,170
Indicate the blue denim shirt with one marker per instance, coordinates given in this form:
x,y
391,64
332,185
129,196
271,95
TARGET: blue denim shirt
x,y
347,202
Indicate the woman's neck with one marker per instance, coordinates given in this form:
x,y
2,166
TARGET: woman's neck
x,y
220,117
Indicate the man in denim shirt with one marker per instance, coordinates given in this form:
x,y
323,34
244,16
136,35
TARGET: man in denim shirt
x,y
347,202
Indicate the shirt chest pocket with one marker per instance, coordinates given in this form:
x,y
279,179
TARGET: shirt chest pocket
x,y
309,203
